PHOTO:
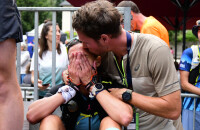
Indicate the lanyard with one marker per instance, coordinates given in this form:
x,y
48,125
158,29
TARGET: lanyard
x,y
128,83
121,74
128,69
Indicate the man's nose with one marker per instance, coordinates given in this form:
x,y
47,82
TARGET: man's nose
x,y
85,45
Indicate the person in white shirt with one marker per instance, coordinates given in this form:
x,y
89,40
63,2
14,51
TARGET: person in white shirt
x,y
45,59
25,59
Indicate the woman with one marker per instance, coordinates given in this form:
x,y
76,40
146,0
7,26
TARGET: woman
x,y
45,59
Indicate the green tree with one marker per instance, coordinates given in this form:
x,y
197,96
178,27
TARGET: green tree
x,y
27,17
189,36
59,14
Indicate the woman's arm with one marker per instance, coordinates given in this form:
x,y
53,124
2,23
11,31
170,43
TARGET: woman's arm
x,y
43,107
39,82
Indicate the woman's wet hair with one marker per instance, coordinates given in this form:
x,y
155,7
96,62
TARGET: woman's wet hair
x,y
72,42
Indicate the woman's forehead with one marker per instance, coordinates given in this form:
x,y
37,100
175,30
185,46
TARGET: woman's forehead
x,y
79,48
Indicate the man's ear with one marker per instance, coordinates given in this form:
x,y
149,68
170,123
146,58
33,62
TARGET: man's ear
x,y
104,38
98,61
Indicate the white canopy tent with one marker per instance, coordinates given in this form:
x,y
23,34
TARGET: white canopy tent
x,y
32,32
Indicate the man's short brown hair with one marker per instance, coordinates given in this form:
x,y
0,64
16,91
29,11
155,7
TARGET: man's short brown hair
x,y
96,18
131,4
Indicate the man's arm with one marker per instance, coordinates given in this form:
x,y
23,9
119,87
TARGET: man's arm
x,y
161,106
43,107
186,85
118,110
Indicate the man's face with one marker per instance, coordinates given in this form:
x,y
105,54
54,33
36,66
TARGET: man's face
x,y
133,23
95,47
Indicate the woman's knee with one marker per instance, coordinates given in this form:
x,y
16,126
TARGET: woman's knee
x,y
108,123
51,122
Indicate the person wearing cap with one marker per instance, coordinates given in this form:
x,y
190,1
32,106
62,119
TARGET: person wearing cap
x,y
147,25
190,82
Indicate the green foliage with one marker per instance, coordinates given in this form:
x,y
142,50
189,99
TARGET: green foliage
x,y
189,36
68,34
59,14
171,36
27,17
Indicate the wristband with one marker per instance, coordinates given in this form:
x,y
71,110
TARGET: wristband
x,y
92,81
67,92
74,86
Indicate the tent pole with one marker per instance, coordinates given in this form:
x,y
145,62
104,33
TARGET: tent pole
x,y
184,27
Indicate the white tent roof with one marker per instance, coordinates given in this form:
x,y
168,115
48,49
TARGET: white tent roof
x,y
32,32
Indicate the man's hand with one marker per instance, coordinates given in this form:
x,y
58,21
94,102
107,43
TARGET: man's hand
x,y
117,92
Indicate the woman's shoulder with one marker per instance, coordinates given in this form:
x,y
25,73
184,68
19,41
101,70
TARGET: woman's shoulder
x,y
63,47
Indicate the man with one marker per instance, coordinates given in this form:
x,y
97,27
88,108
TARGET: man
x,y
147,25
190,81
156,90
11,103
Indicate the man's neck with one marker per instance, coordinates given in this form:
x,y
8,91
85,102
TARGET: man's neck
x,y
141,19
119,45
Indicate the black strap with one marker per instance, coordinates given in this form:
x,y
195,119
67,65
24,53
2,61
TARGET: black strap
x,y
128,69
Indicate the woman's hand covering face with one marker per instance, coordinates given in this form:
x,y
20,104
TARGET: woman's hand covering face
x,y
80,70
74,69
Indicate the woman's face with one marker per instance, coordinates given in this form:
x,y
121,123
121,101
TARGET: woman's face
x,y
50,34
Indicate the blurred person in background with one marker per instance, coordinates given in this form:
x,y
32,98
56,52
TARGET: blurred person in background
x,y
147,25
45,59
190,81
25,59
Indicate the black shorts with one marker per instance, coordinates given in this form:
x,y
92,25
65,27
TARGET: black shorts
x,y
10,24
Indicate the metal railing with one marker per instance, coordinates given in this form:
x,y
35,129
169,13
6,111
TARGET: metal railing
x,y
127,18
194,111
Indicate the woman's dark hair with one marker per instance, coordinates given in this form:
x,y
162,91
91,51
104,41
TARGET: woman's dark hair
x,y
72,43
43,40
